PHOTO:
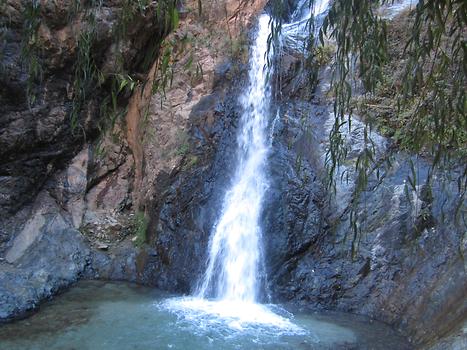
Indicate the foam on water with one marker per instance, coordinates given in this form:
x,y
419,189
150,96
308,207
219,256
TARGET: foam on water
x,y
236,315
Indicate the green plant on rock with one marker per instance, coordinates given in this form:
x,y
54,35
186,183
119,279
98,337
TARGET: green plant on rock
x,y
85,75
140,228
183,147
238,47
164,71
192,161
119,84
429,115
130,9
322,55
30,47
432,101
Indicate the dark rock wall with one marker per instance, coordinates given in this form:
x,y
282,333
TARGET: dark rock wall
x,y
52,179
36,137
405,265
92,191
193,197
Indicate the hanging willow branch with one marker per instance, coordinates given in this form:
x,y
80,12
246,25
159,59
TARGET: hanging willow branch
x,y
431,104
434,79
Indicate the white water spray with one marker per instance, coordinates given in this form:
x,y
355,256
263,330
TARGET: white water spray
x,y
235,246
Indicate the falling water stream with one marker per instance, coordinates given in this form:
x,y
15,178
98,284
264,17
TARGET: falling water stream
x,y
231,284
230,287
235,247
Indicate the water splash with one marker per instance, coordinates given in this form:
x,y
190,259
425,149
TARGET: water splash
x,y
233,316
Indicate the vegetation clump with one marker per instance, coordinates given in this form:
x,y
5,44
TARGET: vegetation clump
x,y
430,95
413,73
30,48
87,76
140,225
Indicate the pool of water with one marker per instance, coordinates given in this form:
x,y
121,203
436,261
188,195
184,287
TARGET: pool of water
x,y
104,315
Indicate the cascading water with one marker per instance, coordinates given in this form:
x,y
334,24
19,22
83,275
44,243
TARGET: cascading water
x,y
296,32
235,247
229,290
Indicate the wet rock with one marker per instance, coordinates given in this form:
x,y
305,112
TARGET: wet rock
x,y
154,166
404,264
102,246
47,256
36,134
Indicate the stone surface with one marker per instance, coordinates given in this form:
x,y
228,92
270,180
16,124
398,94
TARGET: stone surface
x,y
36,133
53,258
404,266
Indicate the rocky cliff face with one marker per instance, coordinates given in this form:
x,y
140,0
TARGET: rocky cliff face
x,y
404,264
48,109
56,66
85,197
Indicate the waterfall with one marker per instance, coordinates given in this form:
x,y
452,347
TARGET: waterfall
x,y
232,272
229,290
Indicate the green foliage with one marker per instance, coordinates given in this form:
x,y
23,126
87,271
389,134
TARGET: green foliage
x,y
183,139
429,115
436,80
164,72
238,47
322,55
30,47
168,18
140,228
432,97
130,9
192,161
183,149
85,75
358,32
